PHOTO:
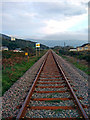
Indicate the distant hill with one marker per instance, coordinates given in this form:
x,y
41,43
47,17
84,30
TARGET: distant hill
x,y
52,43
18,43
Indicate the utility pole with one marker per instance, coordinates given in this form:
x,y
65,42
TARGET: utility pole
x,y
64,46
36,51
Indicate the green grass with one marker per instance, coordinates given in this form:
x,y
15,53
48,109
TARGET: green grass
x,y
82,67
78,65
11,74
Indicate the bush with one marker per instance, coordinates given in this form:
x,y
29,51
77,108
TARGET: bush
x,y
80,55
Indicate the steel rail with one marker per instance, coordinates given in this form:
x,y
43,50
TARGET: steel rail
x,y
72,91
22,111
25,105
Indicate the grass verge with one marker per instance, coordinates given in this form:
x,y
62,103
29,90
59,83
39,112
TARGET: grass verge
x,y
77,64
11,74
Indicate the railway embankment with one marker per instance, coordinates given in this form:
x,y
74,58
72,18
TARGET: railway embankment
x,y
18,92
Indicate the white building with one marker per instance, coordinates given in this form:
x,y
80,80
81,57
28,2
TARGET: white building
x,y
12,38
18,50
2,48
73,49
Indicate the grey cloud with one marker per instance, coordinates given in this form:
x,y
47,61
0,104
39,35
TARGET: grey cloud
x,y
43,10
84,3
56,9
67,36
16,21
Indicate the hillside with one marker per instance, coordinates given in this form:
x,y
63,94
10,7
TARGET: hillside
x,y
18,43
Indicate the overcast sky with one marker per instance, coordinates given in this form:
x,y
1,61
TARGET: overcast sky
x,y
56,20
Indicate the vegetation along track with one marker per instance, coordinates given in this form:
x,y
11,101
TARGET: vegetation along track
x,y
52,91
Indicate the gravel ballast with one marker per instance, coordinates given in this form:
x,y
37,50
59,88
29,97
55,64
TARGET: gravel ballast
x,y
16,94
79,78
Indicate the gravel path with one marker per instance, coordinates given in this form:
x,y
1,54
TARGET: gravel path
x,y
14,96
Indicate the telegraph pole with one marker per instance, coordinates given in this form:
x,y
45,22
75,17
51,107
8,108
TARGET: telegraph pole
x,y
64,46
36,51
39,51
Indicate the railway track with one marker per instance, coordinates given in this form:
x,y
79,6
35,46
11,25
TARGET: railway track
x,y
52,91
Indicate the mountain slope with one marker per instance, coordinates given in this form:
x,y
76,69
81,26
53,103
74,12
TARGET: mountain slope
x,y
18,43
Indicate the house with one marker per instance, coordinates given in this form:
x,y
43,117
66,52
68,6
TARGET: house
x,y
12,38
2,48
73,49
80,49
18,50
84,47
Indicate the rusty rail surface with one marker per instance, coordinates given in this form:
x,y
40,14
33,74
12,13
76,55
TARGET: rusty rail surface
x,y
25,104
42,81
72,92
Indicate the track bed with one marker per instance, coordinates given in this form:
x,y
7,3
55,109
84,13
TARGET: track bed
x,y
52,95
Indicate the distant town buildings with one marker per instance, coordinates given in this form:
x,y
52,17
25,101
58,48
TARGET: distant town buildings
x,y
5,48
73,49
84,47
2,48
18,50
